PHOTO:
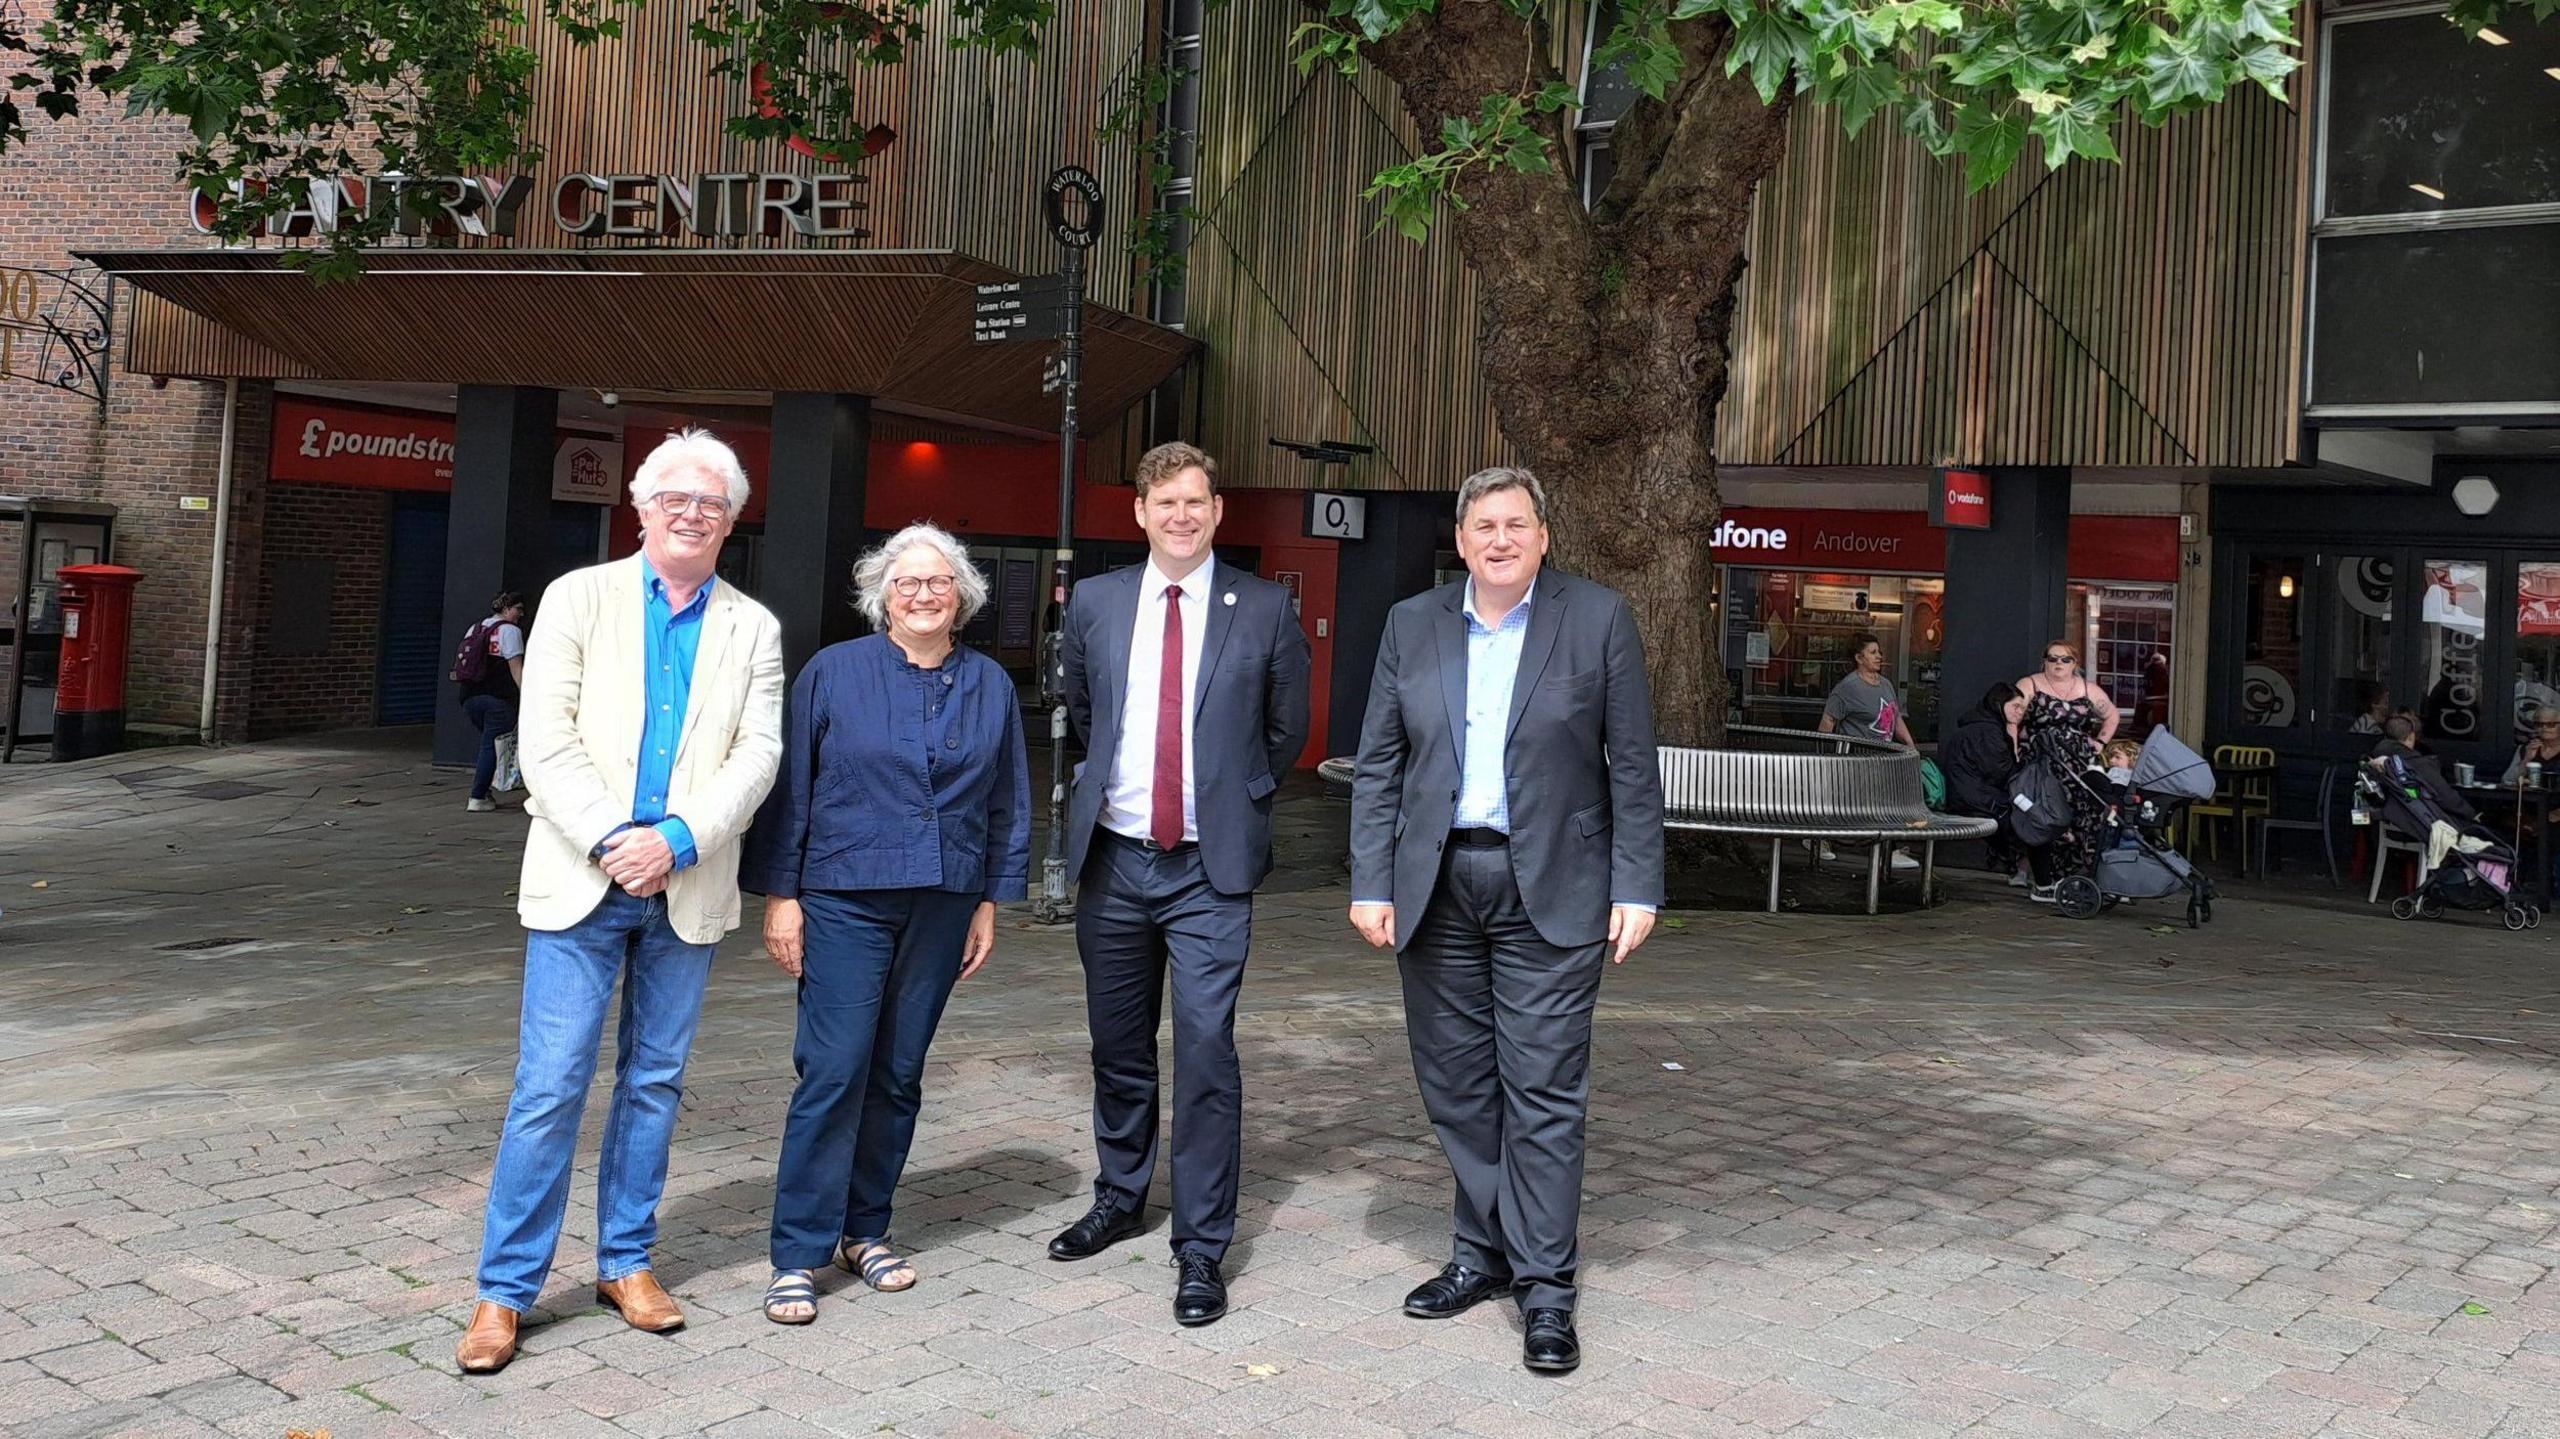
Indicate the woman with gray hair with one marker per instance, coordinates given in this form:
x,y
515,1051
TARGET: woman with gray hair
x,y
901,815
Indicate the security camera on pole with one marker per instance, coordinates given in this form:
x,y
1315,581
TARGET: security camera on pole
x,y
1053,309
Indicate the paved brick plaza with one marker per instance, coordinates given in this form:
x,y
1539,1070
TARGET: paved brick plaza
x,y
1978,1171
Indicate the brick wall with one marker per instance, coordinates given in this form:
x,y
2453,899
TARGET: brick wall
x,y
99,181
333,689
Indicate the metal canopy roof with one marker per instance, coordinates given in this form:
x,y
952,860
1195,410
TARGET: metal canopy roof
x,y
892,324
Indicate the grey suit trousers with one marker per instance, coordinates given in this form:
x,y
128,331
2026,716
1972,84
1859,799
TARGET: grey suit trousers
x,y
1500,1023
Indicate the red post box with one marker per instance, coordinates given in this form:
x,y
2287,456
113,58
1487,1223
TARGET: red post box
x,y
97,626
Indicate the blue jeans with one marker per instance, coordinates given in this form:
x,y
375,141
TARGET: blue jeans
x,y
568,984
877,966
496,719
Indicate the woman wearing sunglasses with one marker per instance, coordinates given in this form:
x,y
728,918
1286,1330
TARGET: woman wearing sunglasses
x,y
901,815
2068,719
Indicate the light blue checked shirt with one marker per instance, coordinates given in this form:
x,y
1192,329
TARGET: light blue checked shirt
x,y
1493,667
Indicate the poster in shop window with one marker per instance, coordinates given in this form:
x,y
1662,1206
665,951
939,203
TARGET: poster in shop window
x,y
586,470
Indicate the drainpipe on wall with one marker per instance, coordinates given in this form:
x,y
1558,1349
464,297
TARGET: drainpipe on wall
x,y
221,561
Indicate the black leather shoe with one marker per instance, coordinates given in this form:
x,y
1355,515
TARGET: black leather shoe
x,y
1456,1290
1551,1346
1104,1225
1201,1295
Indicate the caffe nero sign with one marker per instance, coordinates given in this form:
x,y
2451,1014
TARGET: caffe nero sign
x,y
583,205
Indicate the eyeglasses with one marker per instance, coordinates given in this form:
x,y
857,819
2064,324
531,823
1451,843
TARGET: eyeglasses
x,y
675,502
2059,659
935,585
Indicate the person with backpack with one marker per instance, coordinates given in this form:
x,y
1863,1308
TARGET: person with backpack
x,y
489,667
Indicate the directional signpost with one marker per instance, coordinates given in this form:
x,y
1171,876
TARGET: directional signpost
x,y
1052,308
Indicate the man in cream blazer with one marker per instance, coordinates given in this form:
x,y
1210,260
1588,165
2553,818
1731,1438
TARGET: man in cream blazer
x,y
651,726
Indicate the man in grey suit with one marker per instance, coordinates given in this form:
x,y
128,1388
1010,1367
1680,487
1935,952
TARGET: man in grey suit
x,y
1506,839
1187,683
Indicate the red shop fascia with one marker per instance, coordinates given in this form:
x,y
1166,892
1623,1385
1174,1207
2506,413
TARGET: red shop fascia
x,y
2122,548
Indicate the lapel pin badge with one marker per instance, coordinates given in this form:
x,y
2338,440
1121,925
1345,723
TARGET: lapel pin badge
x,y
1231,597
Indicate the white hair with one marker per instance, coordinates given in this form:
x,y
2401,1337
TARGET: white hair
x,y
685,452
871,574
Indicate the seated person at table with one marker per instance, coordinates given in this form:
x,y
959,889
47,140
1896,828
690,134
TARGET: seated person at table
x,y
2400,737
2373,706
2542,749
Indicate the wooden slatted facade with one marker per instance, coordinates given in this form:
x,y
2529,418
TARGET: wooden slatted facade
x,y
2141,315
1318,325
2133,315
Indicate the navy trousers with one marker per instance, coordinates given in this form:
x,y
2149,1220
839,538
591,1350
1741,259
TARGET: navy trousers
x,y
1140,913
877,967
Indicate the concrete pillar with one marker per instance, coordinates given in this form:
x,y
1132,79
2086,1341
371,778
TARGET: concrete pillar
x,y
813,518
497,532
1391,563
2007,588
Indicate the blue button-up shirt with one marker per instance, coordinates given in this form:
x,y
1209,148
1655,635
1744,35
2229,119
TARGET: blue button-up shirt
x,y
1493,667
672,639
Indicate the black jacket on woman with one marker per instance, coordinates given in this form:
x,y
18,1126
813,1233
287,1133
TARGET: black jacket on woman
x,y
1977,763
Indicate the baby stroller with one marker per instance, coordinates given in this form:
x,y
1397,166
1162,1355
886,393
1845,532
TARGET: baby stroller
x,y
2479,869
2135,858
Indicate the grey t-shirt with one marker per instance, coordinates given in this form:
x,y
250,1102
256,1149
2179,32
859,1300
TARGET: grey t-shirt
x,y
1868,711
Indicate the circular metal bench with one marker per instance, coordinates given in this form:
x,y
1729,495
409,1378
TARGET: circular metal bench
x,y
1785,784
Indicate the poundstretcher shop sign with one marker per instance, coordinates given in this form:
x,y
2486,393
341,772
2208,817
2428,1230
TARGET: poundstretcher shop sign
x,y
353,445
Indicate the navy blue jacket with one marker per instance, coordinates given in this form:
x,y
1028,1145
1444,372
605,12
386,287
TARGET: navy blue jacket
x,y
895,777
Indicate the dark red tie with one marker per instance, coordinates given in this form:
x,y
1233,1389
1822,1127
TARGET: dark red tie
x,y
1166,827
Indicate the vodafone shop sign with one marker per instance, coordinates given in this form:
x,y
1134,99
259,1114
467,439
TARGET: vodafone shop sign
x,y
2103,547
336,444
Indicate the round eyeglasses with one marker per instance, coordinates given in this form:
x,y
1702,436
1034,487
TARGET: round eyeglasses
x,y
909,585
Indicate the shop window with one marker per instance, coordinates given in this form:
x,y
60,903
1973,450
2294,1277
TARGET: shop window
x,y
2537,642
1789,636
2452,631
2356,630
2125,632
2271,644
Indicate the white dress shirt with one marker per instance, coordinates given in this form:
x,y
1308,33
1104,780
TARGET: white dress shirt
x,y
1128,806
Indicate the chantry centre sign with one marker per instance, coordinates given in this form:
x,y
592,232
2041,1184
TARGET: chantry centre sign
x,y
583,205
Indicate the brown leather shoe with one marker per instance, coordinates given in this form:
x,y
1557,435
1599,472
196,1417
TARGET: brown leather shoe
x,y
641,1303
490,1341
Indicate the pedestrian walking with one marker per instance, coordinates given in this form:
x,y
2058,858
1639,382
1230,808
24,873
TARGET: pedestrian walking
x,y
651,725
1186,682
901,816
1506,841
488,670
2066,722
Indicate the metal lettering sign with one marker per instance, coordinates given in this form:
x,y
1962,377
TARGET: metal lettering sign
x,y
1069,186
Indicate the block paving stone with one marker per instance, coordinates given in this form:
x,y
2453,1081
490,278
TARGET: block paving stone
x,y
1964,1170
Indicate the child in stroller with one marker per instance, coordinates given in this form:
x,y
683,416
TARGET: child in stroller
x,y
2143,786
2466,865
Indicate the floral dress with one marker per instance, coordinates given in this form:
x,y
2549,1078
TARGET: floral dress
x,y
2063,735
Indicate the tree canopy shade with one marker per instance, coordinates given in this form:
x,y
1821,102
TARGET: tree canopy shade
x,y
1603,316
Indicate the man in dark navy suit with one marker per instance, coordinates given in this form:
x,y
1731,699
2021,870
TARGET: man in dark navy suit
x,y
1187,683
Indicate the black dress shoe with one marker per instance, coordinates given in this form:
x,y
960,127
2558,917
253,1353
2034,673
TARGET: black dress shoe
x,y
1456,1290
1551,1346
1201,1295
1104,1225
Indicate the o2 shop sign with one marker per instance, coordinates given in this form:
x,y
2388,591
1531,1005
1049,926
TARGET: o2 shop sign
x,y
1961,500
1336,517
